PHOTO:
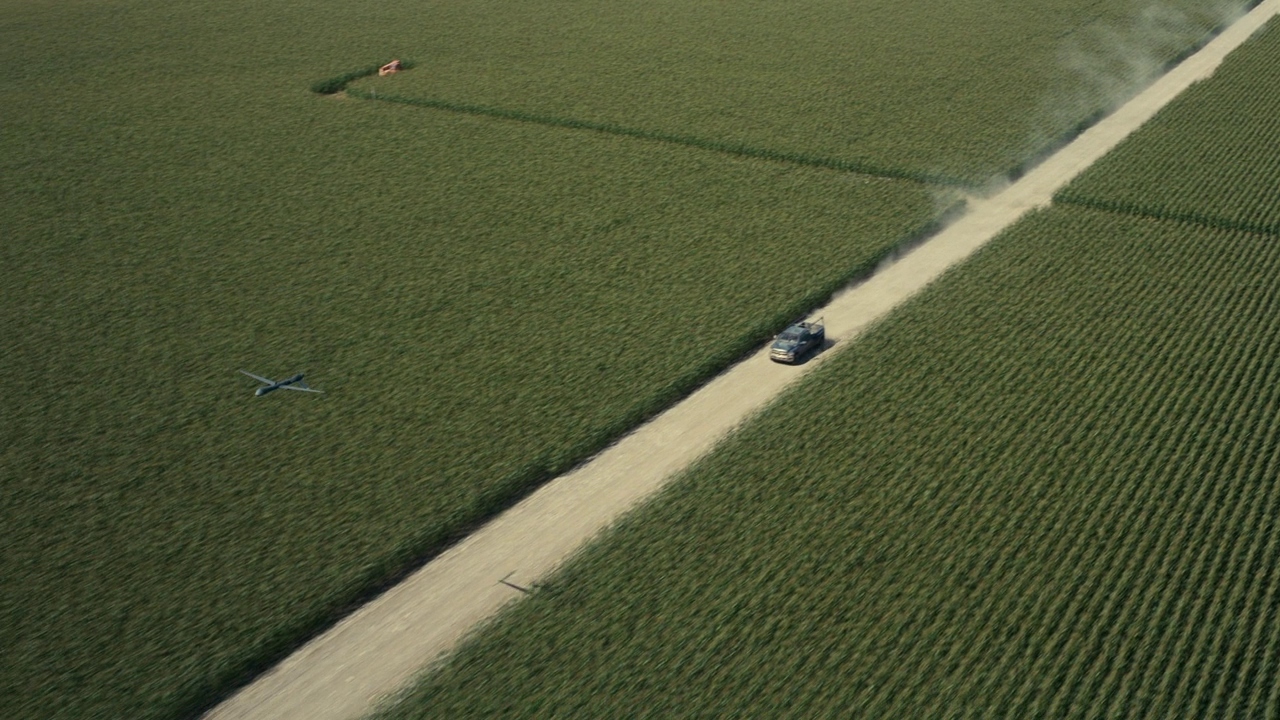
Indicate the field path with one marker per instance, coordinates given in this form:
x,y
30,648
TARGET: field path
x,y
378,649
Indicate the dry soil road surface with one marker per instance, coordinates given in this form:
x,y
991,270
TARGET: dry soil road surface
x,y
377,650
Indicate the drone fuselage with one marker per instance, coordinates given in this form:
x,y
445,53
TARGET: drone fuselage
x,y
277,385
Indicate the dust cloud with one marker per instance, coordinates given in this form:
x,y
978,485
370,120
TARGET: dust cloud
x,y
1104,64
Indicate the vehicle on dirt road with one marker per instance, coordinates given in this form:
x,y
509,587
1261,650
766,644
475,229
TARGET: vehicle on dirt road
x,y
792,344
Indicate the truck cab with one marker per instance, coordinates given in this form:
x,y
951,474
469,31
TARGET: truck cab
x,y
792,344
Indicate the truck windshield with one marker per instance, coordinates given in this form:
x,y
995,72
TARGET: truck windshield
x,y
790,334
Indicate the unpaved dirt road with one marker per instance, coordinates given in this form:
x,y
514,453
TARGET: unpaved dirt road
x,y
381,647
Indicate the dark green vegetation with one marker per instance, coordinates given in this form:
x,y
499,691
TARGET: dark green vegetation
x,y
338,83
1212,157
952,92
1046,488
484,301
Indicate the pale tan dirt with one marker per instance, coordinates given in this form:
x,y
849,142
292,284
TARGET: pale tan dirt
x,y
380,648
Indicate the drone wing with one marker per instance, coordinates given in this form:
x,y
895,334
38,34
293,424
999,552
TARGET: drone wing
x,y
303,388
259,378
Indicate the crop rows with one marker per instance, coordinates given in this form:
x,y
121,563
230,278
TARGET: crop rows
x,y
485,302
962,91
1211,157
1046,488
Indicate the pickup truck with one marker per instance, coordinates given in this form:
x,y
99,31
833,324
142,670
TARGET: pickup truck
x,y
792,344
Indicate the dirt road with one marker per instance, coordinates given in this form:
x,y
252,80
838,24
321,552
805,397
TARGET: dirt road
x,y
381,647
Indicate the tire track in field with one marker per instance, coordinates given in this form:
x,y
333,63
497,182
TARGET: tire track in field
x,y
728,148
377,650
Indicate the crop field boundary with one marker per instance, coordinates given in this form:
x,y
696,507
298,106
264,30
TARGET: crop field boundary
x,y
375,652
1209,220
727,148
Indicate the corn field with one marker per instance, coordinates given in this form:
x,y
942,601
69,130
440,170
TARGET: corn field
x,y
486,296
1045,489
1211,157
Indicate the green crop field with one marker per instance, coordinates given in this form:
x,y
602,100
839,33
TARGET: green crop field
x,y
483,303
950,92
484,299
1045,488
1213,156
